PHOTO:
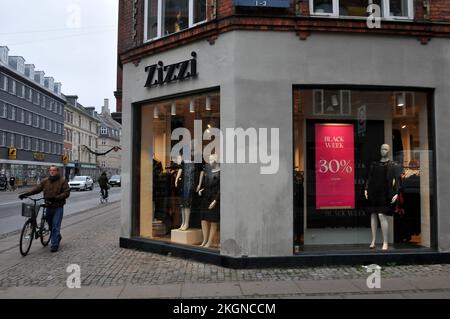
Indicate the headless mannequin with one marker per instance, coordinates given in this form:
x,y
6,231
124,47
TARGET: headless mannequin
x,y
209,229
384,151
185,211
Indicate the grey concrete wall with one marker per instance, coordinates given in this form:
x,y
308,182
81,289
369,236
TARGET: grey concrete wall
x,y
256,71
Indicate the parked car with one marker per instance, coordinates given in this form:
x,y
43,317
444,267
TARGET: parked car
x,y
114,181
81,183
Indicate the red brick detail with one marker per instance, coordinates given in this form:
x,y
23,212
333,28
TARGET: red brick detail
x,y
424,40
303,34
212,39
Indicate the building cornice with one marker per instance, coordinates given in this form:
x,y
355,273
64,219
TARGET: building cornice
x,y
424,31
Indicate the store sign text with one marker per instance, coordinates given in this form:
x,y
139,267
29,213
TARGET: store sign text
x,y
159,74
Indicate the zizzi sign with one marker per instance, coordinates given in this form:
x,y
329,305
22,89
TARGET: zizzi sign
x,y
158,74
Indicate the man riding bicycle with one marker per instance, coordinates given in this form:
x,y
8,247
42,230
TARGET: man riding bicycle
x,y
103,183
56,190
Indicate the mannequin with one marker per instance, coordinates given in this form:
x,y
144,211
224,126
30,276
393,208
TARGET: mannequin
x,y
381,191
186,175
211,192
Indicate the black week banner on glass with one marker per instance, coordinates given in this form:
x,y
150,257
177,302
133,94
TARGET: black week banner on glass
x,y
329,211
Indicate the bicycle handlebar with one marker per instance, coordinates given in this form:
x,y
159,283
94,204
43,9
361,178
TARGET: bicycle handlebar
x,y
35,200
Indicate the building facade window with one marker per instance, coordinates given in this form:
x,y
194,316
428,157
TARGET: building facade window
x,y
3,110
390,9
12,140
167,17
343,187
103,130
158,207
20,146
2,81
2,138
12,113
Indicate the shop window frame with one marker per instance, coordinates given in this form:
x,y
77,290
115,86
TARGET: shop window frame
x,y
160,10
432,143
385,11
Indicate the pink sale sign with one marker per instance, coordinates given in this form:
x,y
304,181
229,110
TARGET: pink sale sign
x,y
335,153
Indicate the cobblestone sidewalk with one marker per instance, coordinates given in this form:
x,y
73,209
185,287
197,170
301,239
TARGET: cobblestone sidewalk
x,y
91,241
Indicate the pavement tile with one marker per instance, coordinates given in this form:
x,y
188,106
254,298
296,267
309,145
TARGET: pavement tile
x,y
269,288
151,291
434,282
387,284
226,289
91,293
375,296
427,295
30,292
326,286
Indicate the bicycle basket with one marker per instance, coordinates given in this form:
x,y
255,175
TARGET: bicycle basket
x,y
29,210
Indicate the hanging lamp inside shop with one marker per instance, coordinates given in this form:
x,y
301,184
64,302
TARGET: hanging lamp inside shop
x,y
208,103
173,109
334,100
400,99
156,113
191,106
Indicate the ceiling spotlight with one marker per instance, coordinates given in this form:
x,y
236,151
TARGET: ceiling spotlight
x,y
173,109
400,100
156,113
404,126
334,100
208,103
191,106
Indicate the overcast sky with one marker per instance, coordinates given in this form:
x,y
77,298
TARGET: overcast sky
x,y
74,41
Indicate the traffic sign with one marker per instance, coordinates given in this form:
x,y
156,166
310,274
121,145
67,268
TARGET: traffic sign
x,y
12,153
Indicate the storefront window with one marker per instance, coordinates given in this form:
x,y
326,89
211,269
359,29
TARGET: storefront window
x,y
180,171
362,169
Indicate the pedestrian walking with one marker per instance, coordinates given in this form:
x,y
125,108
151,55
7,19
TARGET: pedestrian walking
x,y
56,191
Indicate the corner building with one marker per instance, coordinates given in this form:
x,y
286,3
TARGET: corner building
x,y
334,89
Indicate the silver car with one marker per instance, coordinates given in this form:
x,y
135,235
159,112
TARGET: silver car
x,y
81,183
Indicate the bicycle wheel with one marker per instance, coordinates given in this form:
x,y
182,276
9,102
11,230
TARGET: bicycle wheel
x,y
45,232
26,237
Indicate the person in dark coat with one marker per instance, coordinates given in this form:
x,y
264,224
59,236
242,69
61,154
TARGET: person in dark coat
x,y
103,183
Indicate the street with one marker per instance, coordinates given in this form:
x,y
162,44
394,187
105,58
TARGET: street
x,y
91,241
10,206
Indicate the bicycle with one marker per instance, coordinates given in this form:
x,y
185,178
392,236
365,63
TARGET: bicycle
x,y
31,230
102,199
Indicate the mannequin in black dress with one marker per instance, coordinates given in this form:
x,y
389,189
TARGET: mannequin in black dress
x,y
381,191
210,181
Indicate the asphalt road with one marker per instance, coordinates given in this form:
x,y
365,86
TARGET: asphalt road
x,y
10,206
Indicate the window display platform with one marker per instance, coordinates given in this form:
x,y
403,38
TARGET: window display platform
x,y
305,258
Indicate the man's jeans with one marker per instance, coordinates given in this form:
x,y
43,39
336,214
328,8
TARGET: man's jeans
x,y
104,192
55,216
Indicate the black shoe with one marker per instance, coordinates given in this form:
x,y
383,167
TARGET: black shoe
x,y
54,249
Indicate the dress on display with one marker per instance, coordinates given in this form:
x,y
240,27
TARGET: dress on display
x,y
382,184
188,183
211,192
